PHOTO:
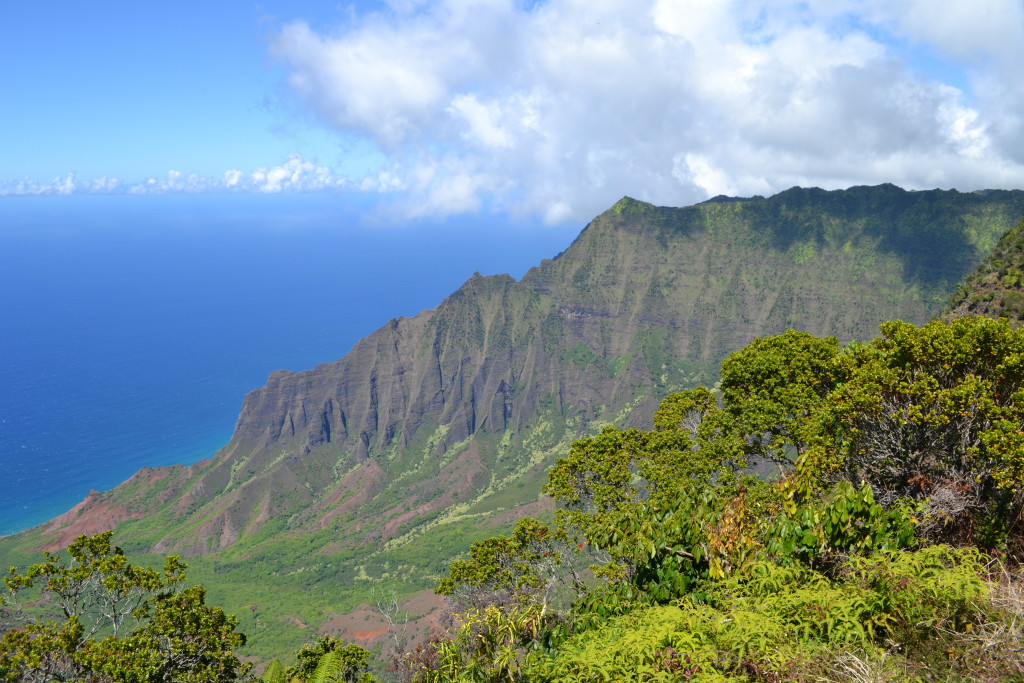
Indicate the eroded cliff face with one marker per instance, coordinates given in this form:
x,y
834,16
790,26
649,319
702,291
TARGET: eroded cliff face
x,y
438,417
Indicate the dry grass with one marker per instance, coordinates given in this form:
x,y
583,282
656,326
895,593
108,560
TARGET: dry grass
x,y
995,649
862,667
1006,589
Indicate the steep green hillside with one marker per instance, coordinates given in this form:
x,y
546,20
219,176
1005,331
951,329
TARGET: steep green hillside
x,y
377,468
996,287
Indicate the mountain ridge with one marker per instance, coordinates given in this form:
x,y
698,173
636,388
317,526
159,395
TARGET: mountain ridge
x,y
437,424
459,364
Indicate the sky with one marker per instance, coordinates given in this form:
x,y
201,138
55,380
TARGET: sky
x,y
548,110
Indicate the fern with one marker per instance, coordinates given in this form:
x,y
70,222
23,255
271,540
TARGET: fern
x,y
274,673
328,670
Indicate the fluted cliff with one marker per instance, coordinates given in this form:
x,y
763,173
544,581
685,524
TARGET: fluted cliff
x,y
433,418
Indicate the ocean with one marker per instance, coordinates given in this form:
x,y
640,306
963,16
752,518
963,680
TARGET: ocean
x,y
131,327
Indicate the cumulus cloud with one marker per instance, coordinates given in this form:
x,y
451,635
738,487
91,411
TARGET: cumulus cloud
x,y
58,185
294,175
561,107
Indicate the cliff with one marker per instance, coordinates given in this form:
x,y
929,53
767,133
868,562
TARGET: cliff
x,y
437,426
432,414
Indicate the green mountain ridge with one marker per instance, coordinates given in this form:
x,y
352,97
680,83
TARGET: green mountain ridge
x,y
388,461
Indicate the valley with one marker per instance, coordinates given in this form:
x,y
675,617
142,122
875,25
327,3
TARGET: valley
x,y
369,474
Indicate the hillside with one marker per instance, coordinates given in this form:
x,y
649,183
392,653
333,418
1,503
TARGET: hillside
x,y
996,287
386,462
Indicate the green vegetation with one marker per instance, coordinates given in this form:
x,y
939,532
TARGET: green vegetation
x,y
110,620
97,618
901,476
883,550
996,287
327,661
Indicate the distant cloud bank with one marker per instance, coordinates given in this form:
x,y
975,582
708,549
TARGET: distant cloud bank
x,y
295,175
558,108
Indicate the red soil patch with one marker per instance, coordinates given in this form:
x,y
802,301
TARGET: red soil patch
x,y
456,477
424,603
296,621
263,516
364,481
91,516
366,626
365,637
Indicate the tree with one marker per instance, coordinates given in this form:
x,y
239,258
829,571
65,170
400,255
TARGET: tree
x,y
528,566
704,571
643,505
934,414
504,596
771,388
691,445
111,620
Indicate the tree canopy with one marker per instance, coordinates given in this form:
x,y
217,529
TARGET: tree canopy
x,y
900,467
105,619
95,617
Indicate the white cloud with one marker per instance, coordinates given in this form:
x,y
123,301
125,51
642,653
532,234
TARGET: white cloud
x,y
65,185
969,30
294,175
58,185
482,121
562,108
233,178
378,80
559,109
104,185
174,181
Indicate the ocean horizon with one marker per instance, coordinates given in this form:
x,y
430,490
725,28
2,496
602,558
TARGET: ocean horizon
x,y
131,328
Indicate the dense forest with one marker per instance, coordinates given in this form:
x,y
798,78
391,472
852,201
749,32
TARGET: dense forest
x,y
885,545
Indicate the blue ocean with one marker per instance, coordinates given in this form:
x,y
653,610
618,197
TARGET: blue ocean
x,y
131,327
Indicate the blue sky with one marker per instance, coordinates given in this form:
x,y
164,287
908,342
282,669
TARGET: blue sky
x,y
133,89
549,110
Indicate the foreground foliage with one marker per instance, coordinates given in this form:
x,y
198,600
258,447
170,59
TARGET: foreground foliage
x,y
105,619
900,475
96,618
328,660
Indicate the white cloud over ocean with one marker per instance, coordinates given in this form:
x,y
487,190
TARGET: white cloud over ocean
x,y
558,108
294,175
